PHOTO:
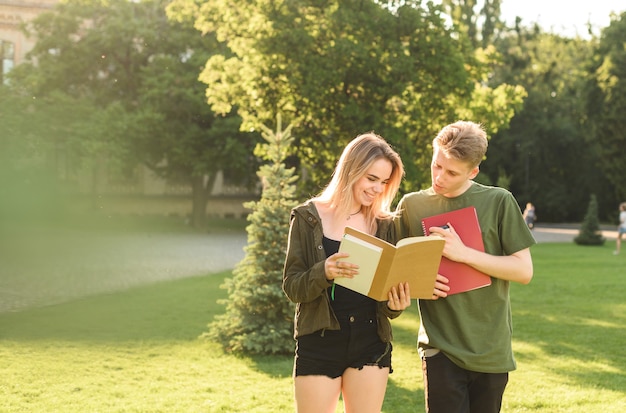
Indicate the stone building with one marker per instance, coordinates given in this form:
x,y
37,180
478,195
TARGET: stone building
x,y
13,43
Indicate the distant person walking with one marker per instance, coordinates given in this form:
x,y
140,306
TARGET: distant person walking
x,y
529,215
621,228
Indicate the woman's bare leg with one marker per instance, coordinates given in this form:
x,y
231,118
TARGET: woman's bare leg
x,y
317,394
364,390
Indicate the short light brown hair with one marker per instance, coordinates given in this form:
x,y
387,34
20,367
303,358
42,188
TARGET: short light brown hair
x,y
464,141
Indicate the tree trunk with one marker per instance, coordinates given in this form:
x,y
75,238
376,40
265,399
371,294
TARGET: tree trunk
x,y
200,199
97,183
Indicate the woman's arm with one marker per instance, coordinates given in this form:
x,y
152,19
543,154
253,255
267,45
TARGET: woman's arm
x,y
303,279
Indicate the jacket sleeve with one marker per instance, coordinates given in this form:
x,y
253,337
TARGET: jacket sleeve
x,y
304,277
386,311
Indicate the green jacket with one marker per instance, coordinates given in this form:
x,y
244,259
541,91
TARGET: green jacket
x,y
304,278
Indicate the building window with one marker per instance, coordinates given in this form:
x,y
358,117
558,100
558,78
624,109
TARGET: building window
x,y
7,52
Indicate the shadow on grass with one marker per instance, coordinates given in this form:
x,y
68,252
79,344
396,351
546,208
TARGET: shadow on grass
x,y
166,311
586,353
401,399
574,313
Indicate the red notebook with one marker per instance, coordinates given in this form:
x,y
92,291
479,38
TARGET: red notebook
x,y
465,222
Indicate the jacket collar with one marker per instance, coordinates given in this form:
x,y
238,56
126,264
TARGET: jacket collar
x,y
308,212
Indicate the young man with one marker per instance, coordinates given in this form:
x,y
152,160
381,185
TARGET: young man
x,y
465,339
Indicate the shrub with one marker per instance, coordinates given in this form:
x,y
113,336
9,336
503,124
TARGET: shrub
x,y
590,232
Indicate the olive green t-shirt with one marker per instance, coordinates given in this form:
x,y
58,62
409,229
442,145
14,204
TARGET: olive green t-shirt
x,y
474,328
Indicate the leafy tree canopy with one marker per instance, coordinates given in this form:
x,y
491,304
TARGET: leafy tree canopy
x,y
339,68
138,70
544,150
607,103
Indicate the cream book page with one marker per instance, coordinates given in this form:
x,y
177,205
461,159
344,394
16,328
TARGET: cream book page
x,y
366,256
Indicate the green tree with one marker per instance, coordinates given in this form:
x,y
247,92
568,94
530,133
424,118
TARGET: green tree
x,y
549,143
607,104
480,26
138,71
344,67
545,149
590,232
38,146
258,316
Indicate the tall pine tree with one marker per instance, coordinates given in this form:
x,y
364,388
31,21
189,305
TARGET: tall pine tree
x,y
258,318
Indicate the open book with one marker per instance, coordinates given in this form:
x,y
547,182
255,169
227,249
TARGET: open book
x,y
382,265
465,222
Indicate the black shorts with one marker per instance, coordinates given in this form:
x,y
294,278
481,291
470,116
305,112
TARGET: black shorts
x,y
355,345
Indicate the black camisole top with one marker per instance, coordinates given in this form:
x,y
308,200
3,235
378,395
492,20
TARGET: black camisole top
x,y
345,301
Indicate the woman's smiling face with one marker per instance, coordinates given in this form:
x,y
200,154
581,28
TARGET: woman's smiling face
x,y
373,182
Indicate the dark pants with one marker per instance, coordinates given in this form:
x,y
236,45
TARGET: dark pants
x,y
451,389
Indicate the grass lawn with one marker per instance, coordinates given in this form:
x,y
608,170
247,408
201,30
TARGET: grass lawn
x,y
139,351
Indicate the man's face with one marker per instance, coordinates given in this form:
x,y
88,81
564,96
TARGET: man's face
x,y
450,177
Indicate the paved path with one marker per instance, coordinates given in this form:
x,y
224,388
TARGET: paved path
x,y
40,272
566,232
70,265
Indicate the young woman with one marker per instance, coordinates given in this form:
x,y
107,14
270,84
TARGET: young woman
x,y
343,339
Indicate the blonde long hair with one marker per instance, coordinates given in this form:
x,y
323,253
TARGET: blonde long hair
x,y
356,158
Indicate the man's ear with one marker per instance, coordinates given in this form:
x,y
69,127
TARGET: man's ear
x,y
474,172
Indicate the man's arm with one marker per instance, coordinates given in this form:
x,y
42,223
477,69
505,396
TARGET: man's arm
x,y
517,267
